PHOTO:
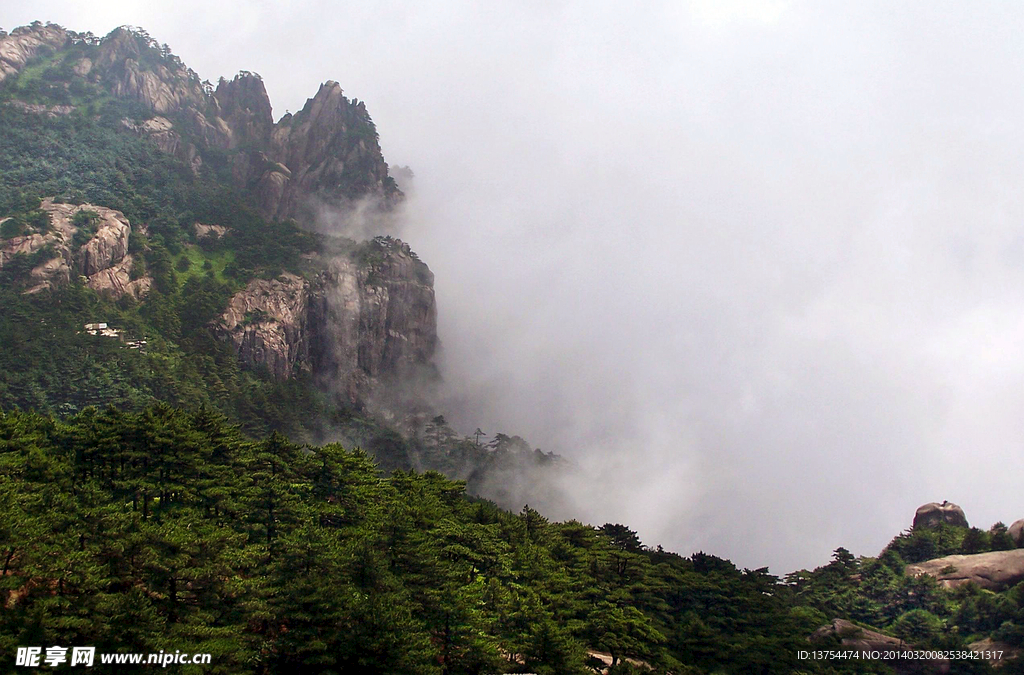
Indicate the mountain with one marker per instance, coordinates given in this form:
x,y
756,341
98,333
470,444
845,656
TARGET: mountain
x,y
218,434
354,314
181,215
327,154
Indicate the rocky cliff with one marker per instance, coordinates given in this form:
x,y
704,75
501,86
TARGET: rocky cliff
x,y
325,155
368,318
269,324
24,43
94,246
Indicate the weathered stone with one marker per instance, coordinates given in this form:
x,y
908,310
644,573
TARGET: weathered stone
x,y
164,87
24,43
318,146
1016,532
994,571
267,324
245,108
357,325
52,273
107,248
379,321
854,638
161,132
209,231
1000,653
116,281
53,111
83,67
935,514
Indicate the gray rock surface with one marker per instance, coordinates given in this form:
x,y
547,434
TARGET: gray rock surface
x,y
268,324
1016,532
935,514
994,571
379,320
357,324
116,281
854,638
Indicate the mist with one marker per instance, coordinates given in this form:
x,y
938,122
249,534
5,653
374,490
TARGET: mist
x,y
756,268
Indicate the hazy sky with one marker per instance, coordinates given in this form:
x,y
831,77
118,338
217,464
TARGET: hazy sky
x,y
758,265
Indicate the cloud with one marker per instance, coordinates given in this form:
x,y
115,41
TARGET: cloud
x,y
756,267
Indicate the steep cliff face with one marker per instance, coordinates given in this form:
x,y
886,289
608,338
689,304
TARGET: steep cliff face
x,y
379,318
331,152
268,324
366,320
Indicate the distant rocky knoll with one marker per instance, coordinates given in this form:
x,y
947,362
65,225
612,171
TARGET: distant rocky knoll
x,y
1016,532
935,514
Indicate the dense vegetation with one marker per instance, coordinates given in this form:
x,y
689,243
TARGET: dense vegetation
x,y
143,531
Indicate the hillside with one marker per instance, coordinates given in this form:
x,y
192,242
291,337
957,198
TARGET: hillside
x,y
218,431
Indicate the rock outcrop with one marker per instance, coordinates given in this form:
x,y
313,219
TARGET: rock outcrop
x,y
107,247
854,638
126,65
102,257
994,571
369,318
331,152
268,324
379,318
116,281
998,654
935,514
26,42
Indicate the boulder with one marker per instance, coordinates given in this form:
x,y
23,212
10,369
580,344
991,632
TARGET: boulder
x,y
854,638
1016,532
994,571
935,514
998,654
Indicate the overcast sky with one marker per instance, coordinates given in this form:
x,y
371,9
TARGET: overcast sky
x,y
759,266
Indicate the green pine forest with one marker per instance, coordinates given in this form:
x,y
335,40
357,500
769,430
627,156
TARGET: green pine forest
x,y
169,498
